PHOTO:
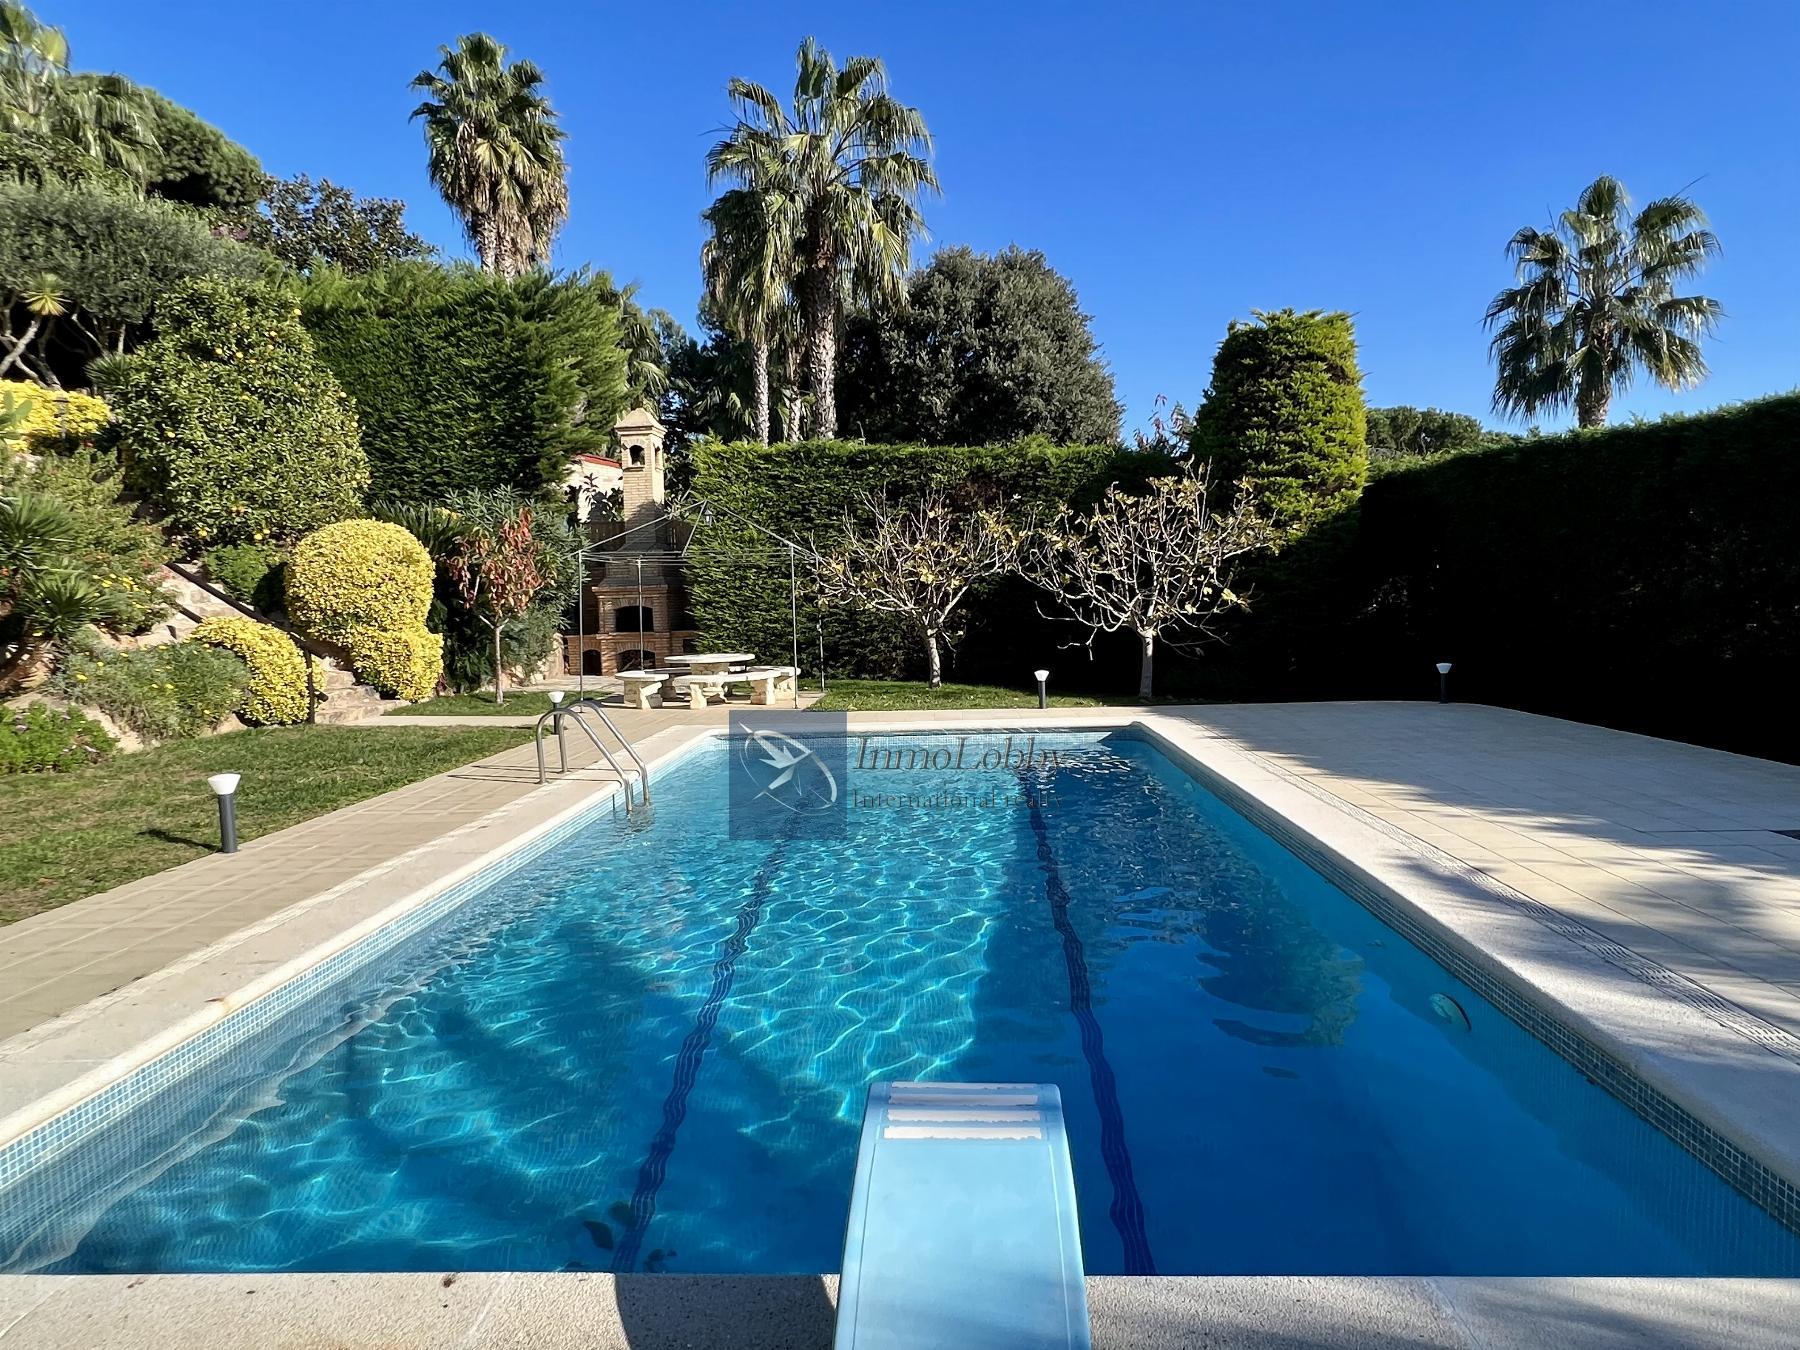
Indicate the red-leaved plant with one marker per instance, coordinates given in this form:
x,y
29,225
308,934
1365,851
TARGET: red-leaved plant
x,y
498,572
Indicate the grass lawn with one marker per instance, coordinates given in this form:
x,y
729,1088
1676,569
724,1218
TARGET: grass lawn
x,y
907,695
479,705
73,834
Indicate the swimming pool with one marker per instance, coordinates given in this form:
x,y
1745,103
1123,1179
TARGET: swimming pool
x,y
648,1048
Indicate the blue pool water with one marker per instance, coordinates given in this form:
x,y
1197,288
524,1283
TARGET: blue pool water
x,y
648,1050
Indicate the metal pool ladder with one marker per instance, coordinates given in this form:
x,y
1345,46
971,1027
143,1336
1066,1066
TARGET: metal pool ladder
x,y
578,711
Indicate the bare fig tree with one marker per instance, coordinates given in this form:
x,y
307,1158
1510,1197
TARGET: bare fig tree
x,y
918,561
1156,564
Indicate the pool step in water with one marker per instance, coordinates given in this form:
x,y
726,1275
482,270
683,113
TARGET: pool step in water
x,y
962,1225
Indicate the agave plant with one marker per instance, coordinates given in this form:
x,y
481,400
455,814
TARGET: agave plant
x,y
45,599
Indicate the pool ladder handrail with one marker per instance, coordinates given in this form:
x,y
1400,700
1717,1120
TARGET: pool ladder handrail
x,y
578,710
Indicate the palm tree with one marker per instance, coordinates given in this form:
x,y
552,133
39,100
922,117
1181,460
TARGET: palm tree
x,y
748,263
105,118
496,152
1595,300
840,176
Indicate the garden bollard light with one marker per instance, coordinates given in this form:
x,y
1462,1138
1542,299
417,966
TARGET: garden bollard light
x,y
1443,669
1043,678
224,786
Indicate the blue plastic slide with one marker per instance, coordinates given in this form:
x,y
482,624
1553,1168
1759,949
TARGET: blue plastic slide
x,y
962,1225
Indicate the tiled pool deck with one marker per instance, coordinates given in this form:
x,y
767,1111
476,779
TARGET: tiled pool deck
x,y
1641,887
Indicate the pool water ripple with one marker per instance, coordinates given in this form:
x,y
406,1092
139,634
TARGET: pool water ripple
x,y
563,1076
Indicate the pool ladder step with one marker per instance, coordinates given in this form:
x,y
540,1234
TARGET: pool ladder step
x,y
963,1229
579,712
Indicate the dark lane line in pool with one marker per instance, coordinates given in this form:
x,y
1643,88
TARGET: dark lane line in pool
x,y
687,1064
1127,1206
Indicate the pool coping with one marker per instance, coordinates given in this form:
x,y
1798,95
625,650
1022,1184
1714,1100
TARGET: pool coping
x,y
550,1311
1632,1024
1736,1090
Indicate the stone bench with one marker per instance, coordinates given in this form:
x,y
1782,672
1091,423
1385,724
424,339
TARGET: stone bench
x,y
699,688
639,686
768,683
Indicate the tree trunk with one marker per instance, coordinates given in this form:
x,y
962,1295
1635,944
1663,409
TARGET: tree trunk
x,y
1147,669
819,315
762,390
933,663
1592,393
499,672
16,352
487,245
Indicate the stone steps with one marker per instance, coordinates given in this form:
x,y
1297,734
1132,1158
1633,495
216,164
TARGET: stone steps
x,y
345,701
355,703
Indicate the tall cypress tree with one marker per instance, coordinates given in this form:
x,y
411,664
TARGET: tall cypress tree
x,y
1285,415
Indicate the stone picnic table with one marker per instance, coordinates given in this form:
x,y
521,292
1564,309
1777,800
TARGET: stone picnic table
x,y
713,663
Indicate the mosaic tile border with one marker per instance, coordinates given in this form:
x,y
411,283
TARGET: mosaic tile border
x,y
1746,1174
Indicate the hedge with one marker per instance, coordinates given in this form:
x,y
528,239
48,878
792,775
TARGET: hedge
x,y
738,578
467,382
277,693
1640,576
358,574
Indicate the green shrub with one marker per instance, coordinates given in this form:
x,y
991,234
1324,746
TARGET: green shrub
x,y
42,739
105,540
358,574
738,579
982,349
466,382
1284,414
231,425
114,255
277,692
252,573
403,662
196,163
162,693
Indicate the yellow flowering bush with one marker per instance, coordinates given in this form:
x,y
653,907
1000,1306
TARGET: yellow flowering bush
x,y
52,419
276,694
404,662
358,574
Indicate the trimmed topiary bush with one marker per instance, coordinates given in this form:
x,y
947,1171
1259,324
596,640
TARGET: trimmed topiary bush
x,y
277,693
162,693
54,420
42,739
358,574
402,662
230,423
1284,414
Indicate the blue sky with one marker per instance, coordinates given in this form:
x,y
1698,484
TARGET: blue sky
x,y
1182,164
